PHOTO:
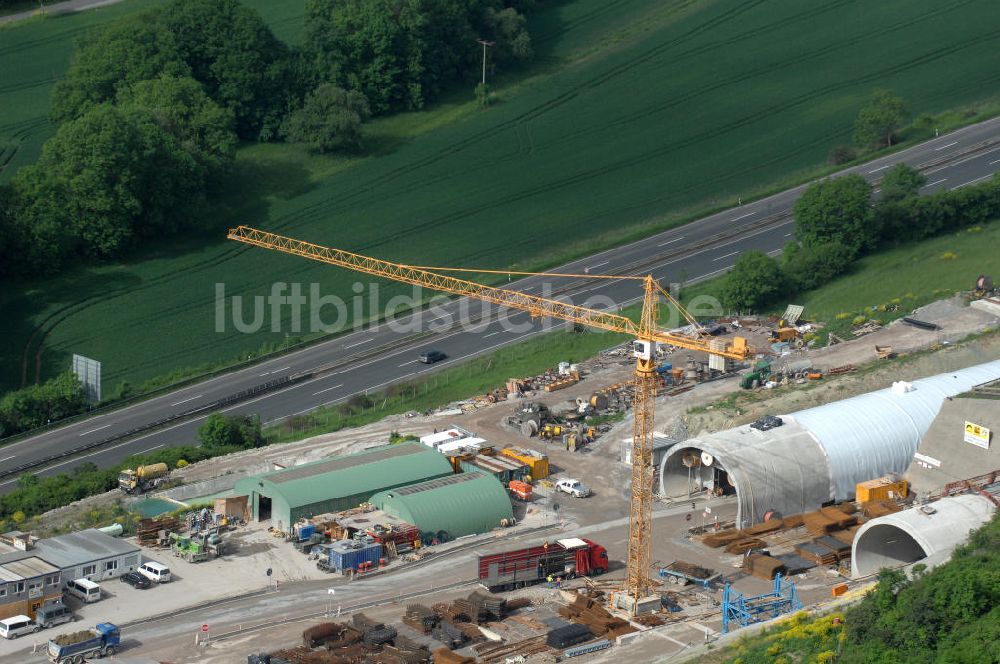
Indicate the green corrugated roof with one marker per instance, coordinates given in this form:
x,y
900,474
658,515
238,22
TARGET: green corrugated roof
x,y
464,504
364,472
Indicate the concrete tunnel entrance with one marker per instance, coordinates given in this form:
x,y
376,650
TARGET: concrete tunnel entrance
x,y
686,474
885,545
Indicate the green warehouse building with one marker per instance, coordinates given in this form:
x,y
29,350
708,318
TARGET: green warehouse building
x,y
339,483
450,507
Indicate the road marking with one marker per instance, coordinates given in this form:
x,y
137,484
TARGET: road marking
x,y
186,400
8,458
945,146
155,447
366,341
671,241
748,214
726,256
880,168
267,373
410,362
788,235
971,181
492,334
93,430
328,389
592,267
774,252
931,184
995,162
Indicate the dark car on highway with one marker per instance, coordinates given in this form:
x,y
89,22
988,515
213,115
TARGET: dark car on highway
x,y
432,356
136,580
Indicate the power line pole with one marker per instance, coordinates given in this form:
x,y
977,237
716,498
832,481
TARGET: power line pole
x,y
485,43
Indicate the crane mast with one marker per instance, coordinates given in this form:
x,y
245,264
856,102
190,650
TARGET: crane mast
x,y
637,582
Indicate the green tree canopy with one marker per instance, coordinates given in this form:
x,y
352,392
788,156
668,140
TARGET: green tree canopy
x,y
754,281
808,268
836,211
106,178
879,119
330,119
37,405
180,107
901,182
222,431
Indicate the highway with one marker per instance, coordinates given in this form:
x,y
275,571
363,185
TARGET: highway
x,y
375,358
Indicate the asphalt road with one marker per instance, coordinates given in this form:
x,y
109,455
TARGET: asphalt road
x,y
372,359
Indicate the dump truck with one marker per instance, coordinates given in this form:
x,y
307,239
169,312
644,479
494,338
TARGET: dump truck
x,y
101,641
143,478
564,558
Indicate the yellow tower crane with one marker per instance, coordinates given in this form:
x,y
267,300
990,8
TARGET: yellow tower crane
x,y
637,582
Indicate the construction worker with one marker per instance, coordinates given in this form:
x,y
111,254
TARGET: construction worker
x,y
548,580
558,582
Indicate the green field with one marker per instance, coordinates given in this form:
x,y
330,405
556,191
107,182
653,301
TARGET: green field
x,y
637,113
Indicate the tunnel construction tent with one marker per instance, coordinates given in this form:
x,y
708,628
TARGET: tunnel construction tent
x,y
465,504
817,455
338,483
925,532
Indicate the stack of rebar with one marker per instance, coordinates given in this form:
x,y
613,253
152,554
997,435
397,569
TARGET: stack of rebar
x,y
495,607
449,634
763,567
445,656
421,618
722,538
318,635
743,545
816,553
148,532
595,618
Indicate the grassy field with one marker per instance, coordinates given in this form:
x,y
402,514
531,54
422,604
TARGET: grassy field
x,y
637,113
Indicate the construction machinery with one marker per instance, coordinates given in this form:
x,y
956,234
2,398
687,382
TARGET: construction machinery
x,y
635,596
197,547
143,478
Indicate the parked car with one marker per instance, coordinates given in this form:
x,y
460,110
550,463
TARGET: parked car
x,y
136,580
432,356
54,613
155,572
84,590
11,628
575,488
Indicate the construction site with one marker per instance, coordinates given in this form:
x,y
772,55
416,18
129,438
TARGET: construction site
x,y
654,499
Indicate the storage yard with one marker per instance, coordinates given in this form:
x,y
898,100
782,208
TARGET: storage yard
x,y
456,546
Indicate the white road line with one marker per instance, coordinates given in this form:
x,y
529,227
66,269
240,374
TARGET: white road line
x,y
93,430
328,389
972,181
880,168
670,241
366,341
186,400
931,184
995,162
788,235
155,447
592,267
726,256
748,214
8,458
410,362
492,334
774,252
945,146
712,274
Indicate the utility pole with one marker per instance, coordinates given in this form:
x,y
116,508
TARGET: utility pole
x,y
485,43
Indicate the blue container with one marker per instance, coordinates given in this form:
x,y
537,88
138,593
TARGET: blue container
x,y
348,554
306,531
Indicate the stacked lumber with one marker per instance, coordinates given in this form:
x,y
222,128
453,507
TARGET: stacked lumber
x,y
594,617
765,527
847,535
721,538
816,553
744,545
839,517
763,567
445,656
148,531
419,617
517,603
793,521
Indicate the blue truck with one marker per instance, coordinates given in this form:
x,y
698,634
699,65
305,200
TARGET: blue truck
x,y
102,641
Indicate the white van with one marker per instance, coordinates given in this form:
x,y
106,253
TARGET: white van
x,y
84,590
11,628
156,572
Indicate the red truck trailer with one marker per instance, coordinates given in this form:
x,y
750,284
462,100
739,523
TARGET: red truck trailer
x,y
564,558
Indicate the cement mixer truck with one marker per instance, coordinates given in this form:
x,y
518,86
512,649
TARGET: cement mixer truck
x,y
143,478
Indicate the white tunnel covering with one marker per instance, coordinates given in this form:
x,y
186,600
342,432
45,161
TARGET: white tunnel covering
x,y
819,454
918,534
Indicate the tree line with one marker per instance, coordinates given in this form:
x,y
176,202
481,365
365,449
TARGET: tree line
x,y
154,105
837,221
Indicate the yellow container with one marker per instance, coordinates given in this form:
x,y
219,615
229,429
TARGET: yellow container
x,y
879,489
537,462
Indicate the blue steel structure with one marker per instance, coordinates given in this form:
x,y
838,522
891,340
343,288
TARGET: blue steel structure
x,y
748,610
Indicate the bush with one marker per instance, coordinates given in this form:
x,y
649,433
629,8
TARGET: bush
x,y
35,406
756,280
227,432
